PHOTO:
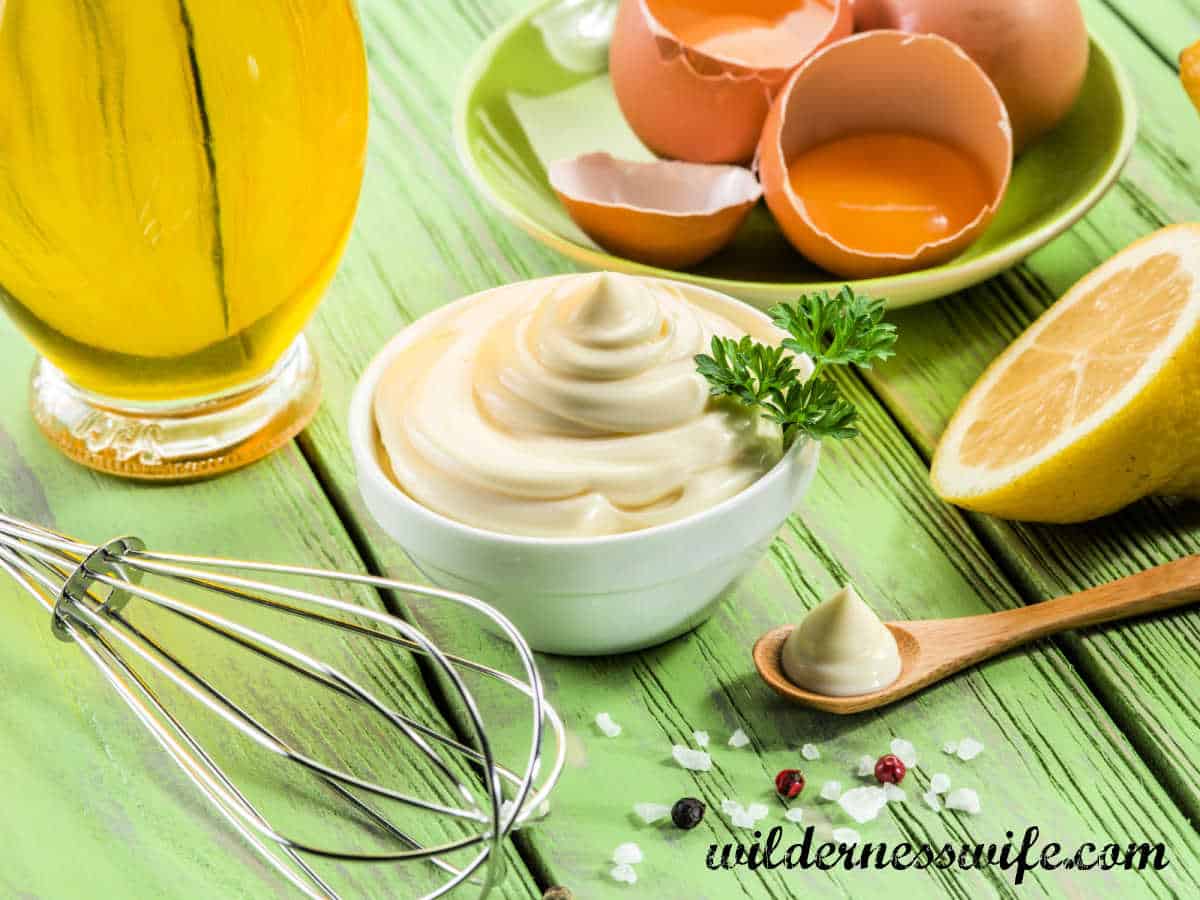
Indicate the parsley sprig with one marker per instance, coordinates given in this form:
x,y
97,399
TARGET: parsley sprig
x,y
832,330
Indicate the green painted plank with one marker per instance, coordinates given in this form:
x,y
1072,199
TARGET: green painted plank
x,y
1054,757
1144,670
92,806
1169,27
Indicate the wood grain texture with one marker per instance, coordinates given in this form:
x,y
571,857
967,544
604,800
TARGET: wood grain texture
x,y
424,238
1173,26
1144,670
92,806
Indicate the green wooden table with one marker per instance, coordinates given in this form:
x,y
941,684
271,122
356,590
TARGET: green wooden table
x,y
1091,737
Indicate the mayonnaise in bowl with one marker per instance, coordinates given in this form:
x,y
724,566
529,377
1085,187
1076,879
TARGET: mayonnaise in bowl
x,y
571,407
583,549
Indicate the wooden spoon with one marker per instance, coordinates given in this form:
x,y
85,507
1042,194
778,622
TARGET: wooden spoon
x,y
933,649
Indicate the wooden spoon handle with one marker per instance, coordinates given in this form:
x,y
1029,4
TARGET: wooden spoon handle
x,y
1161,588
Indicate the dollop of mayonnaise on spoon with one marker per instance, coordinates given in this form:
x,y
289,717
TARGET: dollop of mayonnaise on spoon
x,y
841,648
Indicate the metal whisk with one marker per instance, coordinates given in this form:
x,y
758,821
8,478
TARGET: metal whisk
x,y
85,588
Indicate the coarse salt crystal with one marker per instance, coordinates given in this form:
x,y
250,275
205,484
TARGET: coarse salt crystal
x,y
932,801
939,783
950,747
746,818
863,804
866,766
696,760
810,752
651,812
894,794
906,751
627,854
963,799
606,724
701,738
625,873
847,836
738,739
742,819
831,790
968,749
794,815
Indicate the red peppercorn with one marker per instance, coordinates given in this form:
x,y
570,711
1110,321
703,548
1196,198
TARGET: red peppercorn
x,y
889,769
789,783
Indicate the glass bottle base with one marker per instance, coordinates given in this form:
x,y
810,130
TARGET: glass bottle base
x,y
181,440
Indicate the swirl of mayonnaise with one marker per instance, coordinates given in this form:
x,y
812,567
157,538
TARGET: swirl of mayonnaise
x,y
570,407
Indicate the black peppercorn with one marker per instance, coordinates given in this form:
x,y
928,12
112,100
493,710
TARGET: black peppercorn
x,y
687,813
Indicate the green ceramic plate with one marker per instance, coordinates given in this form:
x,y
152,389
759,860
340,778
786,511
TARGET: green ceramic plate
x,y
519,108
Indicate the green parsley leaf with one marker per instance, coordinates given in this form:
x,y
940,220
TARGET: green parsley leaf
x,y
815,408
750,371
843,329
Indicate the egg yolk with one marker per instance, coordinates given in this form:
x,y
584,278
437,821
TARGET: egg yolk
x,y
889,192
767,34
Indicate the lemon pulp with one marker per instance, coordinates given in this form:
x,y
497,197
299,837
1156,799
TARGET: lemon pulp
x,y
1097,403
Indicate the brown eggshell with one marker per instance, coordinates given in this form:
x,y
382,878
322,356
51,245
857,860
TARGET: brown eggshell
x,y
883,81
1036,51
666,214
689,105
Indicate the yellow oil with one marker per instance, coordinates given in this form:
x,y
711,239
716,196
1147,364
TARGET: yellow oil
x,y
177,181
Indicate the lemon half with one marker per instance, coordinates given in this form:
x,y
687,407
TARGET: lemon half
x,y
1097,404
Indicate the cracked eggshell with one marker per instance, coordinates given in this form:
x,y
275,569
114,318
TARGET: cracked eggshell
x,y
1036,51
696,106
666,214
883,81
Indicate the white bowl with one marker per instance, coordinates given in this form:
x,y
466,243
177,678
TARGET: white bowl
x,y
591,595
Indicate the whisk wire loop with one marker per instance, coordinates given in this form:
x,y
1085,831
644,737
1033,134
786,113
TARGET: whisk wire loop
x,y
86,588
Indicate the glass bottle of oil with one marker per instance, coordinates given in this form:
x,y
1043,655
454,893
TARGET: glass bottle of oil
x,y
178,179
